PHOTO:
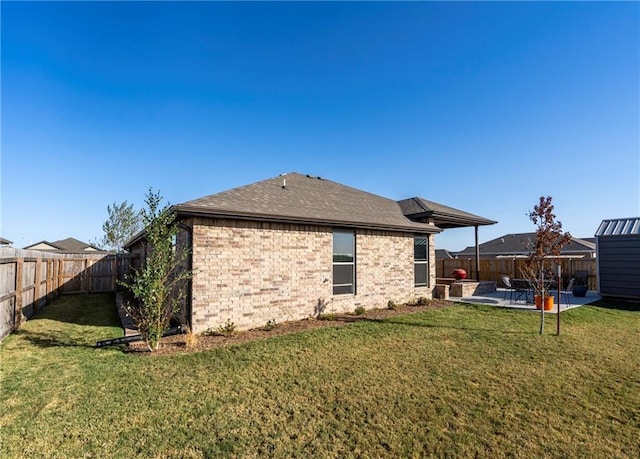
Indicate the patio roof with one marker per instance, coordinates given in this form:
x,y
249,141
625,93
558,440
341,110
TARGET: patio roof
x,y
444,217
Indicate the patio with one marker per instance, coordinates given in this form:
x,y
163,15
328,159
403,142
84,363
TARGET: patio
x,y
497,298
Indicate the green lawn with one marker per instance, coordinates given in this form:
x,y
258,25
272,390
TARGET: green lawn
x,y
464,381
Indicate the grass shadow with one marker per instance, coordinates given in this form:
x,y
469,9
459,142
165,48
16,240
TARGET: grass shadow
x,y
95,309
44,340
71,321
620,305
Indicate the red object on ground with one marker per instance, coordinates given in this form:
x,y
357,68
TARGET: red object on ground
x,y
459,273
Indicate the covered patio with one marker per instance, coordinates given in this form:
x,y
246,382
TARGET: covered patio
x,y
445,217
501,298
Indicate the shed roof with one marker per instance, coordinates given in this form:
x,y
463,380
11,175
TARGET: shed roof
x,y
298,198
619,227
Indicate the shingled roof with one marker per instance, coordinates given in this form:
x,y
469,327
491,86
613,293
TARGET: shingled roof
x,y
442,216
298,198
519,244
68,245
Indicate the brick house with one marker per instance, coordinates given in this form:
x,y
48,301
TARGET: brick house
x,y
294,246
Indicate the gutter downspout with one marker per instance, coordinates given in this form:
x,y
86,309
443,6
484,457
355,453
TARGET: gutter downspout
x,y
187,298
477,255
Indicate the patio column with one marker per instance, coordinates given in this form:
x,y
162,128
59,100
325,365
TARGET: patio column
x,y
477,255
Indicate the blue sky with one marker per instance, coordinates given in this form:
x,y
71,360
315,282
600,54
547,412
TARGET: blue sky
x,y
479,106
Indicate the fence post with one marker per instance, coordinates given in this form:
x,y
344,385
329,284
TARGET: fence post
x,y
36,280
49,279
114,271
17,320
87,275
59,276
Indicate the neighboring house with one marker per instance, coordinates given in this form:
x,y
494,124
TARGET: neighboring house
x,y
69,245
519,245
295,246
444,254
5,242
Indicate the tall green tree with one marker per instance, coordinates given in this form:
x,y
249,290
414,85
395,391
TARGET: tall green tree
x,y
159,285
122,224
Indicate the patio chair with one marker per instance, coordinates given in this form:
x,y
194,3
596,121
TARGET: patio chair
x,y
566,292
522,289
507,283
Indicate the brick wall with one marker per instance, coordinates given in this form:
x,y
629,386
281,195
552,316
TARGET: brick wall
x,y
253,272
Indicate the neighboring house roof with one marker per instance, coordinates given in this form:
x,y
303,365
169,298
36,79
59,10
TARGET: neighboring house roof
x,y
68,245
443,216
301,198
520,245
619,227
4,241
443,253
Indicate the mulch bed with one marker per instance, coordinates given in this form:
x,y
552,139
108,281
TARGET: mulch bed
x,y
177,344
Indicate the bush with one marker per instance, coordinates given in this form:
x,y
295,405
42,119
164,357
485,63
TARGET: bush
x,y
159,285
327,316
190,339
359,310
422,301
392,305
270,325
228,329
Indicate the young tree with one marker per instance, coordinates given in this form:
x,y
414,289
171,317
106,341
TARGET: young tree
x,y
550,239
158,286
122,224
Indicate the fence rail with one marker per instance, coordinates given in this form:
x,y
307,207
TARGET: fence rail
x,y
492,269
29,279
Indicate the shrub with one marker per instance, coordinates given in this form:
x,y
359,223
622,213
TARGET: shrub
x,y
228,329
359,310
270,325
327,316
422,301
159,285
190,339
392,305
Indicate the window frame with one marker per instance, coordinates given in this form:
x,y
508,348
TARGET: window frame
x,y
421,262
351,263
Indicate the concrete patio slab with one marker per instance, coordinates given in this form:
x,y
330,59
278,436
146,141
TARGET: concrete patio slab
x,y
497,298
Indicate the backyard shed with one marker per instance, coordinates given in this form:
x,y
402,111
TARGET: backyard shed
x,y
618,257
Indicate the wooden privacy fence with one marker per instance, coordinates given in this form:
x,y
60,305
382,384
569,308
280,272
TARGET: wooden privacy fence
x,y
29,279
492,269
